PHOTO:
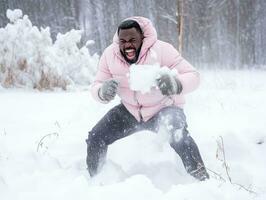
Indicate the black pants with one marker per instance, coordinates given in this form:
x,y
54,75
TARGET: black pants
x,y
119,123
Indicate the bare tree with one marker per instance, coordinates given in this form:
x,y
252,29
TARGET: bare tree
x,y
180,23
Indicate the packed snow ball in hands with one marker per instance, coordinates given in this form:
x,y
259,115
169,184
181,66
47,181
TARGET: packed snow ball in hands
x,y
143,77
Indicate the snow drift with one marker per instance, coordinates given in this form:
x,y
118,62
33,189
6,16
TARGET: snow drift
x,y
230,104
29,57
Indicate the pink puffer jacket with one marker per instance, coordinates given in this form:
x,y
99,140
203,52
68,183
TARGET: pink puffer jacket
x,y
113,65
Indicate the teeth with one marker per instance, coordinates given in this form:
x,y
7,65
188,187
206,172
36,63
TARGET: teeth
x,y
129,50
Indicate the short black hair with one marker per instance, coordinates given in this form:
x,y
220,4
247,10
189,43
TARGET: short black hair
x,y
127,24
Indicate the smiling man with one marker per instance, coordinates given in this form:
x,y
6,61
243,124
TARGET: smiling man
x,y
130,40
136,42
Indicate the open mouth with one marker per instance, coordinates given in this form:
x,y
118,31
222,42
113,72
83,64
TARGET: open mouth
x,y
130,54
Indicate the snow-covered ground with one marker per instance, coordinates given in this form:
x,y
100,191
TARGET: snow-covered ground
x,y
43,150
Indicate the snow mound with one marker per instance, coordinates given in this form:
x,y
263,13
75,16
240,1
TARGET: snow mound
x,y
29,58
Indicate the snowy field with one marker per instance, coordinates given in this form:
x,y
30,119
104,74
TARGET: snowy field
x,y
43,150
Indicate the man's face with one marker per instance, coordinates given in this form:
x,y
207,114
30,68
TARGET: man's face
x,y
130,41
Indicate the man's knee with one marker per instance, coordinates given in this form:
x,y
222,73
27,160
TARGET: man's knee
x,y
180,140
172,118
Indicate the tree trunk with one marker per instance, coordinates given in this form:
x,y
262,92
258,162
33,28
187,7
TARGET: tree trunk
x,y
180,24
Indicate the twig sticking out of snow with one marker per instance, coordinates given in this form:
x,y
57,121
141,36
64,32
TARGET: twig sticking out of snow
x,y
41,142
221,148
57,124
220,144
217,175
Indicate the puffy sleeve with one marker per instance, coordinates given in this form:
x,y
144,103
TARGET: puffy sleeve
x,y
187,74
102,74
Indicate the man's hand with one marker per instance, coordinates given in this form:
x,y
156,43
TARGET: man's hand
x,y
169,85
108,90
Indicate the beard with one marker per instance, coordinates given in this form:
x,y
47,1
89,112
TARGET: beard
x,y
135,59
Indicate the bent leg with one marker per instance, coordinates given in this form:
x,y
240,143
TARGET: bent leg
x,y
188,150
116,124
173,121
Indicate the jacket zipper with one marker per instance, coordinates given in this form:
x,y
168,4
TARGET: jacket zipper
x,y
139,106
135,93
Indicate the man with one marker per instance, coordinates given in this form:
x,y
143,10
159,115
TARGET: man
x,y
136,42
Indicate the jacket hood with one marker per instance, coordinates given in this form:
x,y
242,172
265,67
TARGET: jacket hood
x,y
149,32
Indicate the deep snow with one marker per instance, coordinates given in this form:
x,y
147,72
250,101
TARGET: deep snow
x,y
230,104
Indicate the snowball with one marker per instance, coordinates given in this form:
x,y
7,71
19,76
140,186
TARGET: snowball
x,y
143,77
